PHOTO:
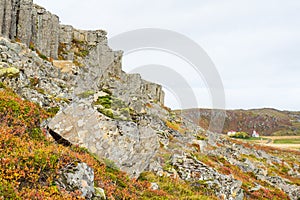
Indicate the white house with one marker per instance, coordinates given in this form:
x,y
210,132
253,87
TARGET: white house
x,y
255,134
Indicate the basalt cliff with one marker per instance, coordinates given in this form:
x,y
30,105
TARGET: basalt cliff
x,y
74,125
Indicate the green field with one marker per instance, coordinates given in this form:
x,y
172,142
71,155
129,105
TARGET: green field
x,y
255,138
287,141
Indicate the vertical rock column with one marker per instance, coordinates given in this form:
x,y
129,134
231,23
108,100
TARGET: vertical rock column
x,y
24,22
8,17
45,31
101,59
2,6
21,19
14,18
65,42
154,91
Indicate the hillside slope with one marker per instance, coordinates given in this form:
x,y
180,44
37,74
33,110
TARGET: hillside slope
x,y
31,162
108,132
266,121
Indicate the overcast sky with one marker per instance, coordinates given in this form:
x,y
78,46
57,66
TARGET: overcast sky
x,y
254,44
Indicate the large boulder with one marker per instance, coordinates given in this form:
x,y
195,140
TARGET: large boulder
x,y
129,145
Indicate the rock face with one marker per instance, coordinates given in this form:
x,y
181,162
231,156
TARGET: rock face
x,y
129,145
54,87
30,24
37,80
21,20
38,29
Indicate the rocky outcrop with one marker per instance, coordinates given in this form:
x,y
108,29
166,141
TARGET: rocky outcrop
x,y
78,176
135,91
72,41
9,15
191,169
147,137
54,87
40,30
21,20
38,81
235,155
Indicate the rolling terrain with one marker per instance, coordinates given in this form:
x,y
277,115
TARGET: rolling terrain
x,y
266,121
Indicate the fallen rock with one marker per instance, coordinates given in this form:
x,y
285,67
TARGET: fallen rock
x,y
154,186
191,169
256,188
77,176
99,194
129,145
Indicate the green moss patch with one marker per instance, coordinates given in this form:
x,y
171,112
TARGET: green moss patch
x,y
114,108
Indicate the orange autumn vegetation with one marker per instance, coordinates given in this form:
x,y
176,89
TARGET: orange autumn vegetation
x,y
175,126
248,178
30,161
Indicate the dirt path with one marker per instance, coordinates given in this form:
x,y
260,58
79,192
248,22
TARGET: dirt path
x,y
269,141
285,146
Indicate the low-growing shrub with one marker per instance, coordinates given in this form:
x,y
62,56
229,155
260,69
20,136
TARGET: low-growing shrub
x,y
242,135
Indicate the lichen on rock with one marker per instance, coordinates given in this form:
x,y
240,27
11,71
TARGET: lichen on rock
x,y
9,72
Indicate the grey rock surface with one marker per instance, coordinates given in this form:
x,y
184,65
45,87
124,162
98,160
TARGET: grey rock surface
x,y
154,186
38,29
191,169
129,145
77,176
99,194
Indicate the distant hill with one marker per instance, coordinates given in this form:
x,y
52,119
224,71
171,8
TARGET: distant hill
x,y
266,121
